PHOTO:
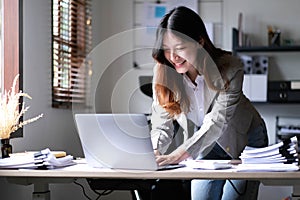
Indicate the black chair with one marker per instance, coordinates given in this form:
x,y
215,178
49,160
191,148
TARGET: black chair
x,y
146,189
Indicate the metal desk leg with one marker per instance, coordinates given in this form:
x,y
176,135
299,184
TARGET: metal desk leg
x,y
135,195
41,191
296,192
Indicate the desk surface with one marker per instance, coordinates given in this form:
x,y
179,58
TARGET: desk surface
x,y
82,170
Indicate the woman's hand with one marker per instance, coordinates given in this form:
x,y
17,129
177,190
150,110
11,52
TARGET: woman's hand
x,y
156,152
173,158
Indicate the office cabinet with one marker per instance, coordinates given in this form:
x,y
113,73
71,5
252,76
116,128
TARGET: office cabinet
x,y
287,126
283,91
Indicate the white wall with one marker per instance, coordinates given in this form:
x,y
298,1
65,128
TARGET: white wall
x,y
56,129
110,18
113,52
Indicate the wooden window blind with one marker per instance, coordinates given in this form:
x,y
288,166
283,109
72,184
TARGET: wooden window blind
x,y
12,48
71,44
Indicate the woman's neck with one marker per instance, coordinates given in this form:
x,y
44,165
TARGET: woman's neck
x,y
192,74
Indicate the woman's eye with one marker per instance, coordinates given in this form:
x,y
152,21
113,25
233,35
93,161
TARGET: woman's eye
x,y
180,48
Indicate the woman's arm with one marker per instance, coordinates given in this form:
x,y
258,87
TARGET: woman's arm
x,y
162,127
162,130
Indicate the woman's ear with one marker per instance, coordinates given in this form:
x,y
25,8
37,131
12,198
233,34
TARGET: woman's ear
x,y
201,41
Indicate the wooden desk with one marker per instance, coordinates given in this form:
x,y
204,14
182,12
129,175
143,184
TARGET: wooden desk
x,y
42,178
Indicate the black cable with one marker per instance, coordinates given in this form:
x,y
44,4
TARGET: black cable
x,y
100,194
236,190
83,190
105,192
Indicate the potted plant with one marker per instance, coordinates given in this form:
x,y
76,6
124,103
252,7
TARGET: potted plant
x,y
10,116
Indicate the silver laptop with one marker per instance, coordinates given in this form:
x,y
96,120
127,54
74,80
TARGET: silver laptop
x,y
119,141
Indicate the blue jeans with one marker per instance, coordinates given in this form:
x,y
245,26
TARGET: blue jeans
x,y
230,189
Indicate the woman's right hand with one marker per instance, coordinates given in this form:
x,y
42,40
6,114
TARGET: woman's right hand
x,y
175,157
156,152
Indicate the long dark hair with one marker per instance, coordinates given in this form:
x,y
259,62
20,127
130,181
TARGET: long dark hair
x,y
186,24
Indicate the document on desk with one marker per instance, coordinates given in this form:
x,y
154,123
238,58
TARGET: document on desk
x,y
282,156
208,164
274,167
42,159
282,152
16,162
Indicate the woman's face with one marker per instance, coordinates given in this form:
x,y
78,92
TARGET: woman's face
x,y
182,54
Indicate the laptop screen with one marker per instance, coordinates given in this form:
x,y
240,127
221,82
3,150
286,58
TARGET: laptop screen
x,y
120,141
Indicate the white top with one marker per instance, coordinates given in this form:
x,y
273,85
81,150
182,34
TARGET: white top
x,y
195,93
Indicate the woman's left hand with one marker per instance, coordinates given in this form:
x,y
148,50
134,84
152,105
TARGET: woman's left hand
x,y
173,158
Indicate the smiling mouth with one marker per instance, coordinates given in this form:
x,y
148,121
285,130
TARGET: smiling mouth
x,y
179,64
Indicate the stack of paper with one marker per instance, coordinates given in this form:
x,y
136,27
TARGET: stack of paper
x,y
208,164
43,159
282,156
283,152
274,167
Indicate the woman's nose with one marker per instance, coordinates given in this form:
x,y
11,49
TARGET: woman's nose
x,y
174,56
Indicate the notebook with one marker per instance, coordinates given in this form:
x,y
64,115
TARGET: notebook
x,y
118,141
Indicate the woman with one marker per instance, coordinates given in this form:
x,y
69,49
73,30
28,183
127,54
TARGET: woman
x,y
199,87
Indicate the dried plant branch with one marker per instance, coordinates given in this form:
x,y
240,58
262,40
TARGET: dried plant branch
x,y
11,113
